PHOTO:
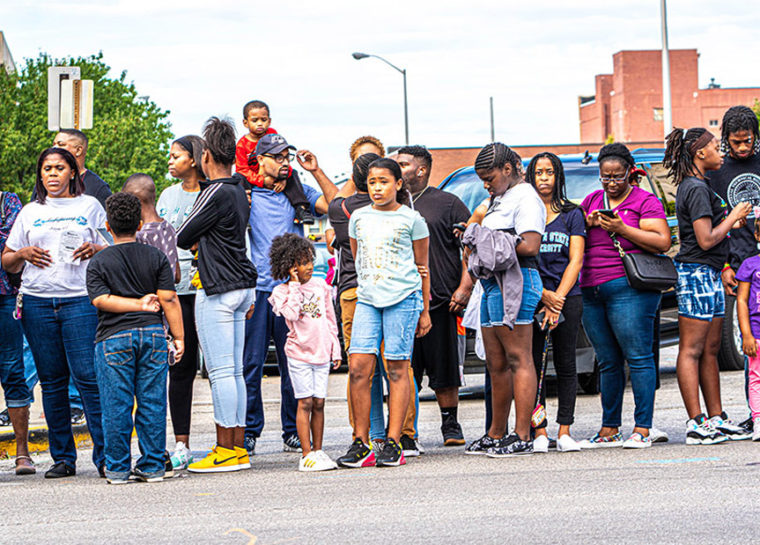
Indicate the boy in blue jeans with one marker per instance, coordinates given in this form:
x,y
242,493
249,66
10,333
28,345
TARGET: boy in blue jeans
x,y
129,284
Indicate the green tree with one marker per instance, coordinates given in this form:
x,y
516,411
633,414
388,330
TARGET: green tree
x,y
129,134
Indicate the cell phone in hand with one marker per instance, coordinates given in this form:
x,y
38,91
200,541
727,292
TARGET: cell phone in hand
x,y
607,212
539,318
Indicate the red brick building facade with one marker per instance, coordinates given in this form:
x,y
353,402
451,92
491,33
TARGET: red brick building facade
x,y
627,104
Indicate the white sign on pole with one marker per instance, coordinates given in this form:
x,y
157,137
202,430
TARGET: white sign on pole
x,y
69,99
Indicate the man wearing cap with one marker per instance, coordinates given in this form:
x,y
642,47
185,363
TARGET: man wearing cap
x,y
272,215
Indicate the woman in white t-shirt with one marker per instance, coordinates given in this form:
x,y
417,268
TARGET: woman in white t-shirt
x,y
52,240
514,207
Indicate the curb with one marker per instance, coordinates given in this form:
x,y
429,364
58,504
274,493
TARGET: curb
x,y
38,440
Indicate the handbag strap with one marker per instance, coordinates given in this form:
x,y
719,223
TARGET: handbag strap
x,y
615,241
2,207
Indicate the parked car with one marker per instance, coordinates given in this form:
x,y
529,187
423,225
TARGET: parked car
x,y
582,177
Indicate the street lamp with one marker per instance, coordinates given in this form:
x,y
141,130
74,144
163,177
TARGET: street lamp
x,y
360,56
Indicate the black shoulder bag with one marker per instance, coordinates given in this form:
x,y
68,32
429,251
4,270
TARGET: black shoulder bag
x,y
646,271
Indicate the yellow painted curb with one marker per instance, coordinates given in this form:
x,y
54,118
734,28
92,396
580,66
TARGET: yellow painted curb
x,y
38,440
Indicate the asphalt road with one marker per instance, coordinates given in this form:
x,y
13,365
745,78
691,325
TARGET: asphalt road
x,y
670,493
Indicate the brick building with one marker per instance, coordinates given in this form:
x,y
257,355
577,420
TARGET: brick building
x,y
627,104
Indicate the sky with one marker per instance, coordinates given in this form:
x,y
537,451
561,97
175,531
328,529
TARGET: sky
x,y
198,58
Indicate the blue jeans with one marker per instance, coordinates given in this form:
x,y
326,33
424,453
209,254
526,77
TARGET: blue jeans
x,y
133,365
220,320
16,393
377,412
395,325
61,334
262,327
619,322
30,373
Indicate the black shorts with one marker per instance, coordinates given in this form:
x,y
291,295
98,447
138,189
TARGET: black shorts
x,y
437,353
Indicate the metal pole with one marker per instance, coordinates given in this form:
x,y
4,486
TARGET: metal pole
x,y
667,111
406,111
493,132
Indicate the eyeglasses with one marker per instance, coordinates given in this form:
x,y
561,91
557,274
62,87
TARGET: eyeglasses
x,y
281,158
619,179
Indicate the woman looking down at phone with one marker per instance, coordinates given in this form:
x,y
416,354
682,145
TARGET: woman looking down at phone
x,y
619,319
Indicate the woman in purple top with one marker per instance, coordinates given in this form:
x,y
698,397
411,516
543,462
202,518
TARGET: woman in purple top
x,y
619,319
17,394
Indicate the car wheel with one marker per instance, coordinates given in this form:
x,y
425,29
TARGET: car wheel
x,y
730,356
589,382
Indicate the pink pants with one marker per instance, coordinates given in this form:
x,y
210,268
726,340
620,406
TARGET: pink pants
x,y
754,385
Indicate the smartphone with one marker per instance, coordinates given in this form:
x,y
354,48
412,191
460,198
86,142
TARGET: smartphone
x,y
606,212
539,318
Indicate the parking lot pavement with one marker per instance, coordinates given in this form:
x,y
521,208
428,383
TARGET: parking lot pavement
x,y
670,493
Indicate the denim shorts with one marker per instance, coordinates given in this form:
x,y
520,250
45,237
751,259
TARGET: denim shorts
x,y
700,292
492,302
395,325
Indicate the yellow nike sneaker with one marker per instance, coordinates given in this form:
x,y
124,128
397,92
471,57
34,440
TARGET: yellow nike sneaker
x,y
219,460
243,460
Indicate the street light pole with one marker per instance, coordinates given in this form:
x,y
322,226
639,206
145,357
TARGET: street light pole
x,y
360,56
667,109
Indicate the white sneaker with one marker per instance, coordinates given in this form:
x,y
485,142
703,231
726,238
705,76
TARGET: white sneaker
x,y
658,436
325,458
704,433
636,440
756,429
724,425
567,444
314,462
182,456
541,444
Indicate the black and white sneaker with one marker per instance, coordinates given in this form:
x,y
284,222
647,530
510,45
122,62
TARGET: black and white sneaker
x,y
452,432
748,425
249,442
480,446
392,454
511,445
77,416
291,444
724,425
699,431
5,419
168,466
358,455
408,445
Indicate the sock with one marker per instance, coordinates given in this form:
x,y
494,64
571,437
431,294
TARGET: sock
x,y
448,412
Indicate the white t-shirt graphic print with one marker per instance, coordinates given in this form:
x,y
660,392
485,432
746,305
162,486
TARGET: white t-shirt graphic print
x,y
55,226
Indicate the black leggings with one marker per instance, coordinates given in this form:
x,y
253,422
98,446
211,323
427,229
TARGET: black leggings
x,y
564,338
182,374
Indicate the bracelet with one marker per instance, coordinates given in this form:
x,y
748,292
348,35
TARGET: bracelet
x,y
726,266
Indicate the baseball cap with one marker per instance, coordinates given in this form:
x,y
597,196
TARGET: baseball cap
x,y
272,144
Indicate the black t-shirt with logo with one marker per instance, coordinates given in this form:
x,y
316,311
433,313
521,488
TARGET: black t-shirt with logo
x,y
441,210
738,181
695,200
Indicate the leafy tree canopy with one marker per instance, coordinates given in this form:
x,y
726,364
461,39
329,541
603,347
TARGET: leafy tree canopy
x,y
130,134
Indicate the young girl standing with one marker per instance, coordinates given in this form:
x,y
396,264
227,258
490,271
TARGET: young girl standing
x,y
748,310
306,304
389,242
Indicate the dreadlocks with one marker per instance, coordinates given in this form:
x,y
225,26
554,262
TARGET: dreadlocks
x,y
560,202
739,118
681,146
497,155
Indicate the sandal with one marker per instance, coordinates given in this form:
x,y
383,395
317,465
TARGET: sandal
x,y
25,466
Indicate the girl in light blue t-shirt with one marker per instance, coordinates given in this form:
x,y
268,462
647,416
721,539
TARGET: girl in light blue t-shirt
x,y
389,241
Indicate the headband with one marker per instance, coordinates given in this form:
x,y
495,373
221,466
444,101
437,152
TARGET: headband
x,y
186,144
704,139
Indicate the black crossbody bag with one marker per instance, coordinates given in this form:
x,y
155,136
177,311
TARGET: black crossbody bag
x,y
646,271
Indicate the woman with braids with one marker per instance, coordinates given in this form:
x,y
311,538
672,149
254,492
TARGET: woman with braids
x,y
217,227
174,206
619,319
515,207
559,264
703,223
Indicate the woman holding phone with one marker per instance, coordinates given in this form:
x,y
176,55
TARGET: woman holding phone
x,y
619,319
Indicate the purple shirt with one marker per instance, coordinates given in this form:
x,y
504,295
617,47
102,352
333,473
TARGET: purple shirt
x,y
601,262
749,271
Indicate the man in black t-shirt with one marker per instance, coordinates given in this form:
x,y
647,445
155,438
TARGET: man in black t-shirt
x,y
437,353
129,284
76,142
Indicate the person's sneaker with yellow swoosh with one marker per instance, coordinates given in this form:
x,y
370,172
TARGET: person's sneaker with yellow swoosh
x,y
244,461
219,460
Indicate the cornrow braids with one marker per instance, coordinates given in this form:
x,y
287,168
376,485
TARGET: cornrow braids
x,y
560,202
739,118
681,145
497,155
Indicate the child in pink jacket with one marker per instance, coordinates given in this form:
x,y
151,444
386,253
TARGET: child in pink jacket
x,y
312,346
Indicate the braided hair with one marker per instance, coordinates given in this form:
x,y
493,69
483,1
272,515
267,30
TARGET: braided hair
x,y
497,155
402,195
739,118
361,169
560,202
681,145
616,152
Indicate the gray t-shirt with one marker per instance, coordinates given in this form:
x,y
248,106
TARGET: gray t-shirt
x,y
174,206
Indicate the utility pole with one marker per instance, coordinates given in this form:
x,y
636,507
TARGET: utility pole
x,y
667,109
493,132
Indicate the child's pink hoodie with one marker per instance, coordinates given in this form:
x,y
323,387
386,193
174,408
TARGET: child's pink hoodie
x,y
308,311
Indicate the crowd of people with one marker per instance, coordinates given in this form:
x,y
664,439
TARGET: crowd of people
x,y
118,296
